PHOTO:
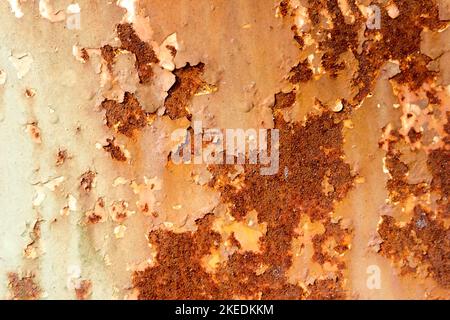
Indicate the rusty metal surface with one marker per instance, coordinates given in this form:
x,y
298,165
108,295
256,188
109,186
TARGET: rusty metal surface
x,y
95,206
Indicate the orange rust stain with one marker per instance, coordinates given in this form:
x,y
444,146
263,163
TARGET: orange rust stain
x,y
301,73
108,53
23,288
87,179
144,53
380,45
61,157
84,290
188,81
284,100
309,152
125,117
114,150
423,242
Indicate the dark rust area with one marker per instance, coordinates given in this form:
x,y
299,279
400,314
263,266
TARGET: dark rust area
x,y
145,56
310,153
301,73
23,288
188,82
125,117
114,150
284,100
424,241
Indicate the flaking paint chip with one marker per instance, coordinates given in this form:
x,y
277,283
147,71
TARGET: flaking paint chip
x,y
287,236
22,63
119,231
15,8
3,77
48,12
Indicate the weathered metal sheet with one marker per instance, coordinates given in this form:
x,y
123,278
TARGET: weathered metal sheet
x,y
117,179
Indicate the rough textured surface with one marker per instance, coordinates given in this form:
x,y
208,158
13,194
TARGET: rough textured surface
x,y
94,109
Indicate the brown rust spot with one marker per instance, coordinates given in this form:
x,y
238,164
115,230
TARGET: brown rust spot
x,y
30,93
23,288
309,152
301,73
415,72
172,49
284,100
108,54
414,136
61,157
178,273
339,236
144,53
338,40
125,117
326,289
284,7
379,45
98,214
384,44
84,290
188,82
424,241
439,165
398,186
114,150
87,180
84,55
35,132
93,218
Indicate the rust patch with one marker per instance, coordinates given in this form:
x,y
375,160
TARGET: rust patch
x,y
125,117
98,214
183,251
340,237
61,157
172,49
301,73
23,288
87,180
144,53
377,46
384,44
284,7
284,100
108,54
309,152
114,150
188,82
326,289
439,164
397,185
84,290
84,55
415,72
30,93
420,247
